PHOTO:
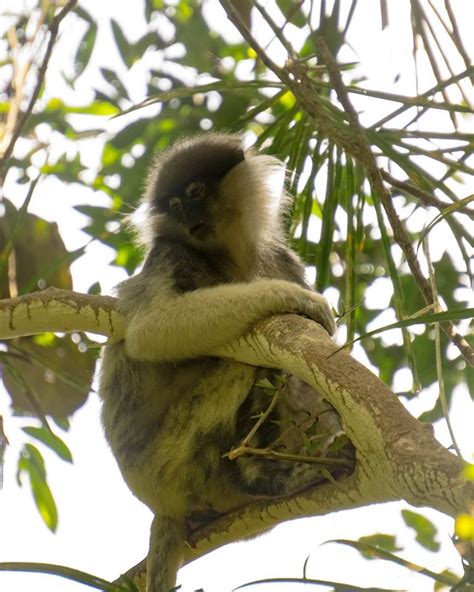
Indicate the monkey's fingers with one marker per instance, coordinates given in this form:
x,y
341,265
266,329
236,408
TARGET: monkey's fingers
x,y
322,314
327,320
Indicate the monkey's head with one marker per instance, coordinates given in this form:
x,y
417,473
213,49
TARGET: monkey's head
x,y
210,192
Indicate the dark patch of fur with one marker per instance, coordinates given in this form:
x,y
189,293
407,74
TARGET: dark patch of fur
x,y
205,157
127,400
132,444
190,269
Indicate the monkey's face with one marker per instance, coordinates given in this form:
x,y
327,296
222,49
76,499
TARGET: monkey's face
x,y
192,208
185,187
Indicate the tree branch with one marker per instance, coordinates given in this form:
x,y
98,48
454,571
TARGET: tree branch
x,y
397,456
350,136
62,311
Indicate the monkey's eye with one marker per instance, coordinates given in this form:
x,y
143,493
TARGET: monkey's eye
x,y
196,190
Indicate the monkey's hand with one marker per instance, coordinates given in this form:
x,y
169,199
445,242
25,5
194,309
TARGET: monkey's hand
x,y
316,307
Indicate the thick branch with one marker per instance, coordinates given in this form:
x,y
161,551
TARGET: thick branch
x,y
397,456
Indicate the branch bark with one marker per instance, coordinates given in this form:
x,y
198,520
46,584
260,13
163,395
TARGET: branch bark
x,y
397,456
63,311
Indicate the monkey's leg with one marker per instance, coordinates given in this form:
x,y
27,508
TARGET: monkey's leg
x,y
273,478
165,554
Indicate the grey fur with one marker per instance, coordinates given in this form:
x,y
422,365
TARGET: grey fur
x,y
217,262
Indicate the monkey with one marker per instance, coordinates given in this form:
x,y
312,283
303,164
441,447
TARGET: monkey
x,y
216,262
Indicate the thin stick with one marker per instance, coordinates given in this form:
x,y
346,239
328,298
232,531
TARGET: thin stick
x,y
439,365
273,455
261,419
278,32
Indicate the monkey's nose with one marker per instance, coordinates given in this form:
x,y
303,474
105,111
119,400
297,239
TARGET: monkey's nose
x,y
176,208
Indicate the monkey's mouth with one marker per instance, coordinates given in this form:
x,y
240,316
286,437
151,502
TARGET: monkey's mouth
x,y
199,230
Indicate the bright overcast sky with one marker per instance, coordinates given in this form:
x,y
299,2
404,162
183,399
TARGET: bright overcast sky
x,y
103,529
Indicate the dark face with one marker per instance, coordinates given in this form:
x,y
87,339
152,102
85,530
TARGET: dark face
x,y
191,206
185,185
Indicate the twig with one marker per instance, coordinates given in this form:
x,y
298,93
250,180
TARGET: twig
x,y
439,365
457,36
261,420
294,76
423,29
278,32
418,101
440,44
298,426
427,198
376,181
235,18
21,121
274,455
469,72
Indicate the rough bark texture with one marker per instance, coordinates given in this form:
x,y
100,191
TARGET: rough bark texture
x,y
59,310
397,456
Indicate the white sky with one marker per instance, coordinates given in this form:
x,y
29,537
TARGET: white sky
x,y
103,529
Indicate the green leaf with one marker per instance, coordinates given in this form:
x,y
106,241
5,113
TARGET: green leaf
x,y
32,462
292,12
439,317
364,549
122,43
95,108
424,528
85,49
64,168
335,586
62,423
113,79
385,542
95,288
51,440
328,222
439,587
70,574
83,14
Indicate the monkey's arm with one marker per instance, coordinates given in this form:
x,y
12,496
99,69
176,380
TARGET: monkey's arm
x,y
169,326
